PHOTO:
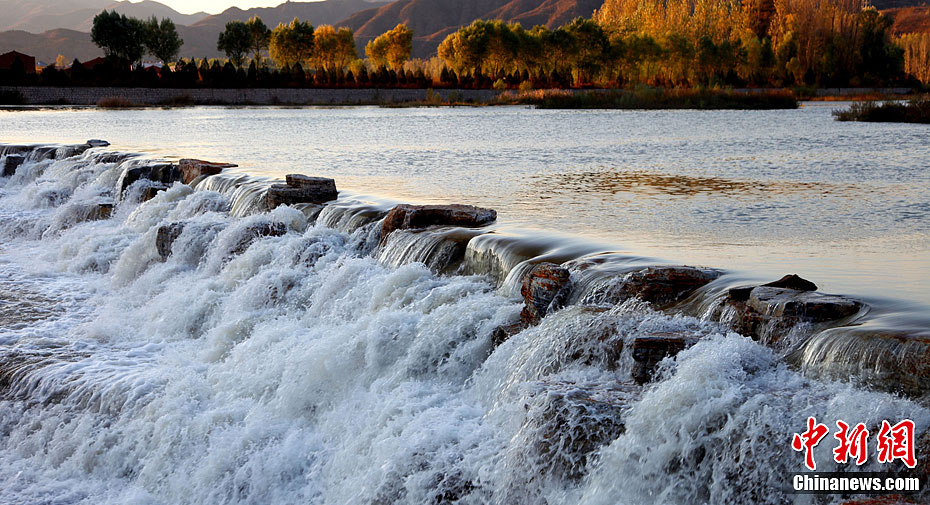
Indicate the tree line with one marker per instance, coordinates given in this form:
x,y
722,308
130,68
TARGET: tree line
x,y
693,43
672,43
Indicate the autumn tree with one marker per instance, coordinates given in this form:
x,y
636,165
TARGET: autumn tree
x,y
291,43
466,49
392,48
333,49
916,47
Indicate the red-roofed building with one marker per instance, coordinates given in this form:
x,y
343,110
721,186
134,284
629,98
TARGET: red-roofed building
x,y
89,64
7,60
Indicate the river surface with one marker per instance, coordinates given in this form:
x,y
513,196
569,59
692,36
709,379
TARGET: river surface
x,y
318,365
846,205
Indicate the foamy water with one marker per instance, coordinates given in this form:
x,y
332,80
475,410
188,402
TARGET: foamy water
x,y
309,367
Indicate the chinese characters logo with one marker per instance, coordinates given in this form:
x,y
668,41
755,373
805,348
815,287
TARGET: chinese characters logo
x,y
893,442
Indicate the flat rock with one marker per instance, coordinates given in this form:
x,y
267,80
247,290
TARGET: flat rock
x,y
192,169
545,288
165,173
768,313
97,143
301,189
406,217
661,286
809,306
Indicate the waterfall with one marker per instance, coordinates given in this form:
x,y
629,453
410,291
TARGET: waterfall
x,y
193,346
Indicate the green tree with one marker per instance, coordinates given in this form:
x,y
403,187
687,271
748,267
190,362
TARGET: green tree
x,y
107,33
591,48
291,43
466,49
391,48
503,44
119,36
162,39
260,37
235,41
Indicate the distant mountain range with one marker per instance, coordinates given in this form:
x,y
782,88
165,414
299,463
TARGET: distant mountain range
x,y
46,28
432,20
38,16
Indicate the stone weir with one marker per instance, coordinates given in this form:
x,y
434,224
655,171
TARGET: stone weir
x,y
821,334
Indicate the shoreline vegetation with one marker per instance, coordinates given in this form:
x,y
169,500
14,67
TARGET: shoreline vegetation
x,y
645,98
915,110
638,98
876,105
654,98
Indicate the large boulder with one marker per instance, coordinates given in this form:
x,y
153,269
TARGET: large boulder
x,y
11,163
253,232
301,189
406,217
885,359
152,191
165,237
99,211
545,288
649,350
440,250
567,422
791,281
192,169
661,286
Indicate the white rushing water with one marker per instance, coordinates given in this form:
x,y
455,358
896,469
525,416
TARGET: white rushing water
x,y
300,367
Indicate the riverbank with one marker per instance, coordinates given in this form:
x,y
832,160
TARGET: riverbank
x,y
123,97
652,98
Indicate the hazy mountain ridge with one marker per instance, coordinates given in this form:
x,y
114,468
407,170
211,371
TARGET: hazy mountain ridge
x,y
432,20
326,12
41,16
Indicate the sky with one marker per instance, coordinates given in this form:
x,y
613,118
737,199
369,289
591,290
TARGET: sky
x,y
215,6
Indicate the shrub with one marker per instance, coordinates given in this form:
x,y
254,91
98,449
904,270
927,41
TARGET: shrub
x,y
115,102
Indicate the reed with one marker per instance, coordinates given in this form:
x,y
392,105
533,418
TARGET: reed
x,y
916,110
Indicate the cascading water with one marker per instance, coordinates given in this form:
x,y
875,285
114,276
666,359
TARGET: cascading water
x,y
284,357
